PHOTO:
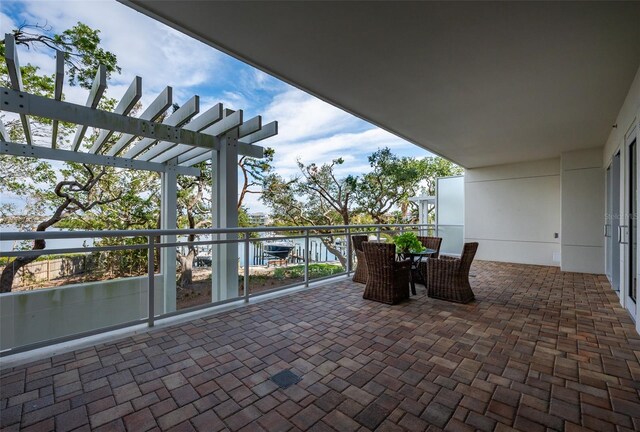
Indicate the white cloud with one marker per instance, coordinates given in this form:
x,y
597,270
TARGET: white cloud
x,y
160,55
302,116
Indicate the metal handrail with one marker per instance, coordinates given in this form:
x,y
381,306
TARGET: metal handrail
x,y
151,243
44,235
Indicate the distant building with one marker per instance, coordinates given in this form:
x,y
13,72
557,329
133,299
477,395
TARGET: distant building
x,y
259,219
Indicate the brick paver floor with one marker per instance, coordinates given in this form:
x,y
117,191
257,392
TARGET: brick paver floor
x,y
539,349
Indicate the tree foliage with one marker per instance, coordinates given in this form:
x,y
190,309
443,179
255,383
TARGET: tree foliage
x,y
80,45
54,192
384,192
390,183
317,196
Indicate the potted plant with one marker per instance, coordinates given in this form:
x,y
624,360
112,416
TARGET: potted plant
x,y
408,242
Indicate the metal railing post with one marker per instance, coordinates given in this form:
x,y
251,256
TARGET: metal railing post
x,y
246,267
348,239
306,257
151,270
378,234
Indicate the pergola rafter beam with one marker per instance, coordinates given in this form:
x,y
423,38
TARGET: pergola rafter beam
x,y
26,103
153,111
57,94
250,126
188,155
232,120
252,131
164,151
196,159
267,131
97,90
225,125
177,118
124,107
15,77
21,102
15,149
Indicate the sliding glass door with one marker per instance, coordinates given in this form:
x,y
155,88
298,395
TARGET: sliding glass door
x,y
612,223
632,221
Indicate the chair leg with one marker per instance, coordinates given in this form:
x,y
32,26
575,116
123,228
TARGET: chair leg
x,y
412,282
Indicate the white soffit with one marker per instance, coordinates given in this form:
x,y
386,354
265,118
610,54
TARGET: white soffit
x,y
480,83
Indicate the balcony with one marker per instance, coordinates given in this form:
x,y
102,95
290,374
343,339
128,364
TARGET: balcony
x,y
538,349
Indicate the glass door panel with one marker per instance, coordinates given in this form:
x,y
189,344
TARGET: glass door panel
x,y
632,287
615,222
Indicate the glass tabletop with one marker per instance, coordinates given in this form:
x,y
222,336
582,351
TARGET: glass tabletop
x,y
423,253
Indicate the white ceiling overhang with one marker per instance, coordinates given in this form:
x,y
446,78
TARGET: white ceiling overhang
x,y
479,83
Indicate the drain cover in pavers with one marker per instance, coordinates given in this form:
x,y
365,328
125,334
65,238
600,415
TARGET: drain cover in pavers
x,y
285,379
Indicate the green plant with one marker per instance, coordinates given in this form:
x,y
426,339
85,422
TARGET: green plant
x,y
315,271
408,242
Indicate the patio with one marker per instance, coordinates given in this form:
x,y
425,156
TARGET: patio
x,y
539,348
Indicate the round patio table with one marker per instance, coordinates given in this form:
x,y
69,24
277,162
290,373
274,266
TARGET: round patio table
x,y
416,259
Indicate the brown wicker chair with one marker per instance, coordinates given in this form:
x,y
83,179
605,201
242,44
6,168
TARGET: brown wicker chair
x,y
448,277
430,243
388,279
360,274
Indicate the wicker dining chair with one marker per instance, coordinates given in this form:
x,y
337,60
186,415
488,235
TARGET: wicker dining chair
x,y
430,243
448,277
387,279
360,273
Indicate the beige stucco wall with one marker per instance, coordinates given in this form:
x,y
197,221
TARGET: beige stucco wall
x,y
626,117
513,211
582,213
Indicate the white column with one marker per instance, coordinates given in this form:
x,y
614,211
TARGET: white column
x,y
225,215
168,220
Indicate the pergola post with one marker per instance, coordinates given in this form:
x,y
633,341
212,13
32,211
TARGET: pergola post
x,y
225,215
168,220
173,146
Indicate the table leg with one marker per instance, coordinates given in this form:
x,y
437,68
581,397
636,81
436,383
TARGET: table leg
x,y
412,280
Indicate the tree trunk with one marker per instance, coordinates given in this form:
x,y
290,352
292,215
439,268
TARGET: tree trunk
x,y
11,269
186,268
331,248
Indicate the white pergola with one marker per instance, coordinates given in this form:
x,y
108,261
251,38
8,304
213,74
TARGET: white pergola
x,y
171,147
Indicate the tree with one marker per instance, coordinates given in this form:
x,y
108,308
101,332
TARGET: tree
x,y
254,173
194,211
389,184
195,204
385,190
317,197
436,167
80,45
85,189
82,188
138,207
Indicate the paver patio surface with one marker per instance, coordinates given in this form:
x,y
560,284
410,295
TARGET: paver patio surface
x,y
539,349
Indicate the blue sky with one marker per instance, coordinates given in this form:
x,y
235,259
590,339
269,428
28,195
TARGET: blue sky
x,y
309,128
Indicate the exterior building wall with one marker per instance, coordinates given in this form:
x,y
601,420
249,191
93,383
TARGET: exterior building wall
x,y
513,211
627,117
583,186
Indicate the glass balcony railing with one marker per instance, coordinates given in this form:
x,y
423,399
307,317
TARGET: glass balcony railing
x,y
95,281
